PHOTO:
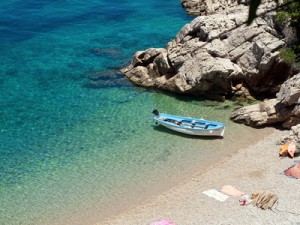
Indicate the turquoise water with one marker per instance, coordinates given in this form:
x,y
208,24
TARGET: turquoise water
x,y
76,139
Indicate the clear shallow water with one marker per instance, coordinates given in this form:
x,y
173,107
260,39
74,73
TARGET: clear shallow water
x,y
71,153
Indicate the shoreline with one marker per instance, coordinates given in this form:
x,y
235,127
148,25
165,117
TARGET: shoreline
x,y
249,169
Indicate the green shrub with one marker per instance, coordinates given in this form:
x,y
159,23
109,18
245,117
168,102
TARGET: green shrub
x,y
282,17
292,12
288,55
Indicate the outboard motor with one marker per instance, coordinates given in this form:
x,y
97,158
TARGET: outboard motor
x,y
155,112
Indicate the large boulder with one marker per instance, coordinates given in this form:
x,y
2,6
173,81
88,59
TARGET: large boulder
x,y
289,96
216,55
289,93
267,112
285,109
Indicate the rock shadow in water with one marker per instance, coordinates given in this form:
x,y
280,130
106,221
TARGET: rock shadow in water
x,y
106,79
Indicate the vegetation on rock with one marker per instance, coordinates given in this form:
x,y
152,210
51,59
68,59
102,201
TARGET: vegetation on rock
x,y
288,55
288,18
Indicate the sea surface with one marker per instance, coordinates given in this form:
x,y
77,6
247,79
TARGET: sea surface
x,y
77,142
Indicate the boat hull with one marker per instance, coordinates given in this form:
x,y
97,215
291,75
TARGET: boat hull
x,y
190,126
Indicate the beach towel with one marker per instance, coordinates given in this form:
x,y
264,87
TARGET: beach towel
x,y
163,222
216,195
232,191
293,171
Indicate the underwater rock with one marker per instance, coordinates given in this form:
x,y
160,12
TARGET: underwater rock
x,y
112,52
105,79
119,82
103,75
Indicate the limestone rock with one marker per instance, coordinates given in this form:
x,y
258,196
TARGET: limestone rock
x,y
140,76
289,93
161,63
294,136
212,53
205,7
285,109
268,112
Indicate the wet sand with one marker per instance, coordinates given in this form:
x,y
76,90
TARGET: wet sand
x,y
251,169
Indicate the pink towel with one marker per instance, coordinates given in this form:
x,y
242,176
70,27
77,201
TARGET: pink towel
x,y
163,222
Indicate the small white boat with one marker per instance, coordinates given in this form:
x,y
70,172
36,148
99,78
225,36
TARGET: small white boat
x,y
187,125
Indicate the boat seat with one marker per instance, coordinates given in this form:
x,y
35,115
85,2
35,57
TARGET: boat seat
x,y
178,122
193,123
206,126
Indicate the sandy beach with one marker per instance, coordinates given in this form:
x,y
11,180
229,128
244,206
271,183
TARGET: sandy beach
x,y
254,168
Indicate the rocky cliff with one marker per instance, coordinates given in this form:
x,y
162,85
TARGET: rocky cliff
x,y
284,109
216,56
205,7
219,56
